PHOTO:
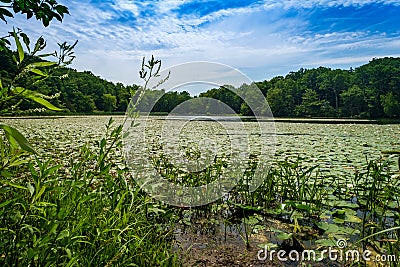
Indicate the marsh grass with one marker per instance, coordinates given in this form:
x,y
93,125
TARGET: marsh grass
x,y
320,207
90,214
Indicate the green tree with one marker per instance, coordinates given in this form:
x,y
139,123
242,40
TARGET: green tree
x,y
312,106
109,102
391,105
331,85
353,101
252,97
280,98
226,94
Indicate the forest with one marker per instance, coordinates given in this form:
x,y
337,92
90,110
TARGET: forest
x,y
368,91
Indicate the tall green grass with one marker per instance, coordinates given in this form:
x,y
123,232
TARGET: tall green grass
x,y
89,213
320,207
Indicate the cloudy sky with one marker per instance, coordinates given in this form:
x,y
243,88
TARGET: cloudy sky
x,y
260,38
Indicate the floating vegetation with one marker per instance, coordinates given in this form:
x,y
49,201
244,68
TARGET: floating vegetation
x,y
326,183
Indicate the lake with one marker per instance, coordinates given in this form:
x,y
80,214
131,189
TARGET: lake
x,y
292,205
334,147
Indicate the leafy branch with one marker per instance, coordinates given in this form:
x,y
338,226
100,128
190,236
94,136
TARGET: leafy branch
x,y
30,65
43,10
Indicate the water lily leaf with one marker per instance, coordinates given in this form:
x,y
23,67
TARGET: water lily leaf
x,y
284,236
325,216
339,214
326,242
362,202
332,229
338,220
352,219
342,204
252,220
258,228
350,212
302,207
269,246
281,235
348,231
326,226
393,205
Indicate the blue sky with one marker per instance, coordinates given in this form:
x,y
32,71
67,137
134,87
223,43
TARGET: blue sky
x,y
261,38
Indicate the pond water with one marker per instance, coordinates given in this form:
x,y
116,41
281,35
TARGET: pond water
x,y
335,147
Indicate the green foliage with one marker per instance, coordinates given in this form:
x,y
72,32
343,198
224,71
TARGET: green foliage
x,y
320,92
16,139
391,105
312,106
109,102
12,94
29,70
226,95
80,92
170,100
87,213
353,101
44,11
299,203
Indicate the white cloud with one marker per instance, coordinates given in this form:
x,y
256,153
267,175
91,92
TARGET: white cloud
x,y
127,5
165,6
257,38
287,4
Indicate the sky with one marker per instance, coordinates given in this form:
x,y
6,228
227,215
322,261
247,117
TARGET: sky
x,y
262,39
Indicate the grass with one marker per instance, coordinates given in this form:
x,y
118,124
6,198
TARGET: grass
x,y
89,212
320,208
86,214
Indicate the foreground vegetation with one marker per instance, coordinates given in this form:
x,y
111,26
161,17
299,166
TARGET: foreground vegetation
x,y
88,211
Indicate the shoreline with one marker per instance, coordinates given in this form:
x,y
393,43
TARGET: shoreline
x,y
243,118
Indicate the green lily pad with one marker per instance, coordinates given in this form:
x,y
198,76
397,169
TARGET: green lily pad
x,y
326,242
269,246
353,219
338,220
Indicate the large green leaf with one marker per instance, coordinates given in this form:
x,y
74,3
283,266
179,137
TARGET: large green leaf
x,y
38,72
5,12
41,64
37,97
20,50
16,138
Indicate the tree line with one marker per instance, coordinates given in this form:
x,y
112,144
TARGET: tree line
x,y
369,91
